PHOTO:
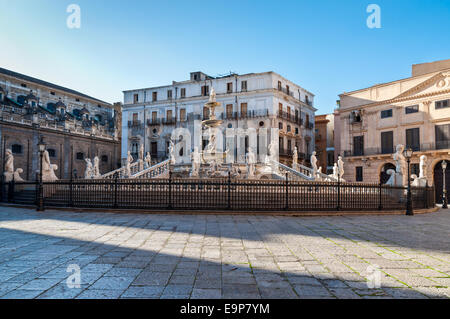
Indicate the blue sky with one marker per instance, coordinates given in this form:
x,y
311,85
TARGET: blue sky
x,y
324,46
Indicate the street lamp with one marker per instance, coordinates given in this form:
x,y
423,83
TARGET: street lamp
x,y
409,209
40,203
444,190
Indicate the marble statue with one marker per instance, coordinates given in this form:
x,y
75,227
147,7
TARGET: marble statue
x,y
392,179
96,169
295,159
128,164
212,145
11,174
148,160
318,174
212,96
251,161
196,161
421,180
273,151
313,161
88,170
400,166
340,165
172,153
335,171
48,169
235,172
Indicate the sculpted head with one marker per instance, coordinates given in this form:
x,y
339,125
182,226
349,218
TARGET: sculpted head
x,y
8,152
400,148
423,158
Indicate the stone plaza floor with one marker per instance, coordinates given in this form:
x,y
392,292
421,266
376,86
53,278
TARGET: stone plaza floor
x,y
223,256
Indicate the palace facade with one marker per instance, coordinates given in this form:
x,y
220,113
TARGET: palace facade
x,y
250,101
75,126
414,112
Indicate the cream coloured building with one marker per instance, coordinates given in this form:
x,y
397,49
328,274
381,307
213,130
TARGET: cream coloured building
x,y
414,112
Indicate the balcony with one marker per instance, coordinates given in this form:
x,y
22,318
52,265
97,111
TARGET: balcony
x,y
289,153
152,122
290,117
135,124
309,125
425,147
169,121
285,91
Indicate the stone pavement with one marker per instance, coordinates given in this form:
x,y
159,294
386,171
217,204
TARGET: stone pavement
x,y
212,256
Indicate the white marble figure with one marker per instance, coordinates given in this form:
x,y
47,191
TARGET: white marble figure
x,y
318,174
212,145
11,174
335,171
148,160
340,165
391,181
172,153
48,169
128,164
212,96
196,161
96,168
400,166
421,180
295,159
313,161
88,170
251,161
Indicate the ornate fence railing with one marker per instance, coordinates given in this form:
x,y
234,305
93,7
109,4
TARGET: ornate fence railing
x,y
216,194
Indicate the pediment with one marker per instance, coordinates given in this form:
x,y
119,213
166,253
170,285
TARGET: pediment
x,y
436,83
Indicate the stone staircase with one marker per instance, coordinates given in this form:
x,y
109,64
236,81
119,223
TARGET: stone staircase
x,y
302,173
160,170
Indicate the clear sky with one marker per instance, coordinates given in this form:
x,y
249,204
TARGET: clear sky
x,y
324,46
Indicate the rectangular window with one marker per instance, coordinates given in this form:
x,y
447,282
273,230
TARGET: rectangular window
x,y
280,109
358,145
136,98
169,115
169,94
279,85
359,173
244,86
154,116
411,109
182,114
243,109
387,142
154,96
205,90
183,92
287,89
413,139
289,145
229,110
135,117
386,113
229,87
442,136
289,112
415,169
441,104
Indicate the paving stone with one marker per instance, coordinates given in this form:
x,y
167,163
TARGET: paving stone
x,y
206,293
143,292
100,294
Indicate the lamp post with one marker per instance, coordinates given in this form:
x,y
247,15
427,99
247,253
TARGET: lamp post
x,y
40,203
444,189
409,209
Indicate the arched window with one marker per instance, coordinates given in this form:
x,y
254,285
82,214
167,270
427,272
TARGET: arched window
x,y
16,149
51,152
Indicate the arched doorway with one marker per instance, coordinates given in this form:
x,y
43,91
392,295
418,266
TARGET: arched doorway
x,y
438,180
384,177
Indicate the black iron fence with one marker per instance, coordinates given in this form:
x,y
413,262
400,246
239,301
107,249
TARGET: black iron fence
x,y
216,194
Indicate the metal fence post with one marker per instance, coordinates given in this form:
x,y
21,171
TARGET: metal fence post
x,y
229,191
380,206
71,191
1,188
170,190
338,207
286,207
116,181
